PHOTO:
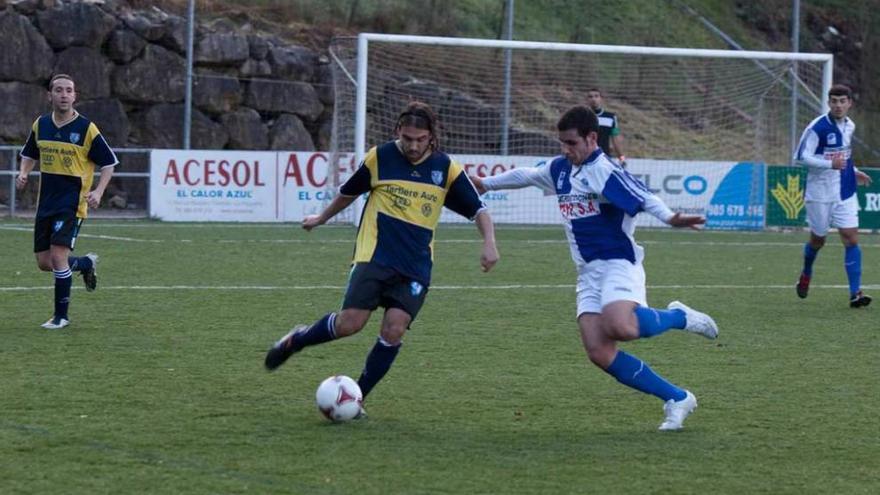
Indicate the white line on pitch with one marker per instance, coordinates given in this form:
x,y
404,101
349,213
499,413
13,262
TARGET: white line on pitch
x,y
438,287
437,241
92,236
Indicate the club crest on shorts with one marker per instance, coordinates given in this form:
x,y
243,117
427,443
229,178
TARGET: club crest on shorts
x,y
437,177
57,225
415,288
74,137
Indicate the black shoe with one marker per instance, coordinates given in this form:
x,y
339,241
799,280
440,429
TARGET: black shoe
x,y
803,286
90,276
859,300
282,349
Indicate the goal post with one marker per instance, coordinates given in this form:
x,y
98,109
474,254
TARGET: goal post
x,y
694,121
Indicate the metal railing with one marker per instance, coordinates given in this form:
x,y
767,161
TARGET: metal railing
x,y
127,156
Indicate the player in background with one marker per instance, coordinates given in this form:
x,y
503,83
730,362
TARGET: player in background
x,y
68,147
609,130
830,195
409,181
598,201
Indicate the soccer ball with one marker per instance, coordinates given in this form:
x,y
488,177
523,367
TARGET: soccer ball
x,y
339,398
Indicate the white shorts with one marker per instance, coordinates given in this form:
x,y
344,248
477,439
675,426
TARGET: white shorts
x,y
601,282
839,214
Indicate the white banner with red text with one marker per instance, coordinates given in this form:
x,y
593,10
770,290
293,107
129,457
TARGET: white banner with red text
x,y
263,186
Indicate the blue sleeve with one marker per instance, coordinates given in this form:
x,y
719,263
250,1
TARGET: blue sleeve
x,y
30,149
100,153
625,192
357,184
462,198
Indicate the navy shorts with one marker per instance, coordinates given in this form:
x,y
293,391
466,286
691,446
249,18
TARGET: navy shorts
x,y
371,285
60,229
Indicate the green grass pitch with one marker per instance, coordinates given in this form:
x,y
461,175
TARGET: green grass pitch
x,y
158,384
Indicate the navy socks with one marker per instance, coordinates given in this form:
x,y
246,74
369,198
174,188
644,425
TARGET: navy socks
x,y
378,363
63,281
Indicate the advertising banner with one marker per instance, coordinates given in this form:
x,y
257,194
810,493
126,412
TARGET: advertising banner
x,y
306,185
198,186
785,198
258,186
729,194
869,201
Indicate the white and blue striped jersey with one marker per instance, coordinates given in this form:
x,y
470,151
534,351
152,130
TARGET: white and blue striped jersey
x,y
598,201
823,138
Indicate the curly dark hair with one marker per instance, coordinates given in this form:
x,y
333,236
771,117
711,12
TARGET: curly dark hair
x,y
421,116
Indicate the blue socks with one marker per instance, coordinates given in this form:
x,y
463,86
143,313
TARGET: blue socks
x,y
633,372
378,363
321,331
852,262
63,281
656,321
809,258
79,263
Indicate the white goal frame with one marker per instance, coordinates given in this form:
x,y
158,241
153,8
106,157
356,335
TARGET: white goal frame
x,y
364,40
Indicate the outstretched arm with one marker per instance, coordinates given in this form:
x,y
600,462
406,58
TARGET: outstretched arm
x,y
489,255
517,178
339,203
655,206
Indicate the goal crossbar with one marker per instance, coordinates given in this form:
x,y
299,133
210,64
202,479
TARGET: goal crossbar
x,y
365,38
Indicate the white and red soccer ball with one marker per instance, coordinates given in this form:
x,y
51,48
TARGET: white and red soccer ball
x,y
339,398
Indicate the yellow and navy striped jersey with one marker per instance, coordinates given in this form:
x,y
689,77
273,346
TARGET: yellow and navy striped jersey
x,y
67,155
403,208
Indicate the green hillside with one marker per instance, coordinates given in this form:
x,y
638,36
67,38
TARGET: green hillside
x,y
836,26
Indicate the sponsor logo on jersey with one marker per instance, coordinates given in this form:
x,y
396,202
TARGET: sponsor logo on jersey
x,y
606,122
578,205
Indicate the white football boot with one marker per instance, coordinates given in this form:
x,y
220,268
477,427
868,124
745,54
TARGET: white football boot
x,y
677,411
695,321
56,324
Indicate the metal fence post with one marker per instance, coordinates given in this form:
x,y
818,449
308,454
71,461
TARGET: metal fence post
x,y
12,163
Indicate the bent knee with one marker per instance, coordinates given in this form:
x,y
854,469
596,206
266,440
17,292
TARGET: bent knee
x,y
620,328
349,324
393,334
601,355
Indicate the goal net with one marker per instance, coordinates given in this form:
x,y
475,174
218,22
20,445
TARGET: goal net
x,y
697,126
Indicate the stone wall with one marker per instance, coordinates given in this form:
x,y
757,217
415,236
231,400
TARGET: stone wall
x,y
251,90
